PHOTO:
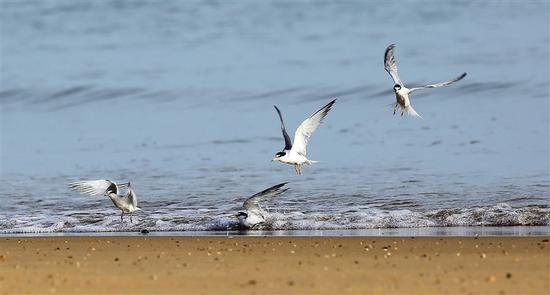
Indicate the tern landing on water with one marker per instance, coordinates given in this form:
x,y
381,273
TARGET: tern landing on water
x,y
126,203
402,92
295,154
254,215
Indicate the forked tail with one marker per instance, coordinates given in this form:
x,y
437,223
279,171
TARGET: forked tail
x,y
410,111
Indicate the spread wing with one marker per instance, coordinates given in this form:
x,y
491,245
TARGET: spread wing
x,y
288,142
390,65
304,131
440,84
95,187
131,194
252,203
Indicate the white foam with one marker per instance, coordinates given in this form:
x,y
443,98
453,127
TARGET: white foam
x,y
498,215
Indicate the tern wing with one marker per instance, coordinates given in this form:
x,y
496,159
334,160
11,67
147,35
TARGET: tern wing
x,y
251,204
131,195
304,131
288,142
390,66
440,84
94,187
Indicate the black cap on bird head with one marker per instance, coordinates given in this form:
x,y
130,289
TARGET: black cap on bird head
x,y
111,189
241,214
280,154
396,87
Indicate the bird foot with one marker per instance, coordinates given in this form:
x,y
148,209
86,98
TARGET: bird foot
x,y
298,168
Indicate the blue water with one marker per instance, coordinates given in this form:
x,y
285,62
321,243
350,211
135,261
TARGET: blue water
x,y
177,97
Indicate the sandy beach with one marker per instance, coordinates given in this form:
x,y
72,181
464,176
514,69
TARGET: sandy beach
x,y
274,265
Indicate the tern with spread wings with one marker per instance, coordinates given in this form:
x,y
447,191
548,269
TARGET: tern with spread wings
x,y
295,153
127,203
402,92
253,215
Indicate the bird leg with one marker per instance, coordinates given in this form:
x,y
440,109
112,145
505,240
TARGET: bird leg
x,y
121,215
299,169
131,217
296,168
395,108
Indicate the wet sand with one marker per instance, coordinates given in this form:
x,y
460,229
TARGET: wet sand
x,y
274,265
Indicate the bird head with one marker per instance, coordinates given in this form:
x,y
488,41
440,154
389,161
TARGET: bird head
x,y
241,215
396,87
278,156
238,215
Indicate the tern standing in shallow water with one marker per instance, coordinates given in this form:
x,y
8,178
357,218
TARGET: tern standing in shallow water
x,y
295,154
126,203
253,214
402,92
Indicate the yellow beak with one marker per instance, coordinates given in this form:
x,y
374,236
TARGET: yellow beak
x,y
275,159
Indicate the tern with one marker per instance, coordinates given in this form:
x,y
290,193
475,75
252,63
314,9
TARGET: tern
x,y
402,92
295,154
126,203
253,215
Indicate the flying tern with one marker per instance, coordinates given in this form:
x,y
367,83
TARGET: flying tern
x,y
402,92
126,203
295,153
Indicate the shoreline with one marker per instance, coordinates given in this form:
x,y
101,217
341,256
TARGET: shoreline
x,y
465,231
274,265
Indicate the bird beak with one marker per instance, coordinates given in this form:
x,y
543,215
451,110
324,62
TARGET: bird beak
x,y
229,215
275,159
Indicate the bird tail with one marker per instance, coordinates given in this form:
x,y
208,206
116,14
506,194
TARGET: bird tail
x,y
410,111
309,162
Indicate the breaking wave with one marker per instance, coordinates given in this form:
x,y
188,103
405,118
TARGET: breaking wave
x,y
211,220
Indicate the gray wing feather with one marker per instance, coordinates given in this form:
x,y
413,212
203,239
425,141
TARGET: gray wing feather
x,y
390,66
308,126
95,187
288,142
131,195
440,84
252,202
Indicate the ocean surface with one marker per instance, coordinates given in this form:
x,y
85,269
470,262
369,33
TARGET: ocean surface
x,y
177,97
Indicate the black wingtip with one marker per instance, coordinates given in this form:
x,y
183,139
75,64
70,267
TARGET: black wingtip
x,y
272,188
330,104
390,47
387,52
74,184
326,108
279,185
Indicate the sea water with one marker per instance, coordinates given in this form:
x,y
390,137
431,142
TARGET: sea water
x,y
178,97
